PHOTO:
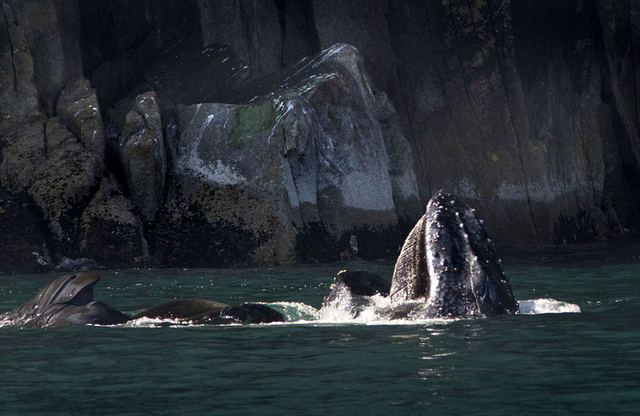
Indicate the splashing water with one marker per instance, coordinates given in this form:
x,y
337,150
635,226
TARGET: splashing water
x,y
375,312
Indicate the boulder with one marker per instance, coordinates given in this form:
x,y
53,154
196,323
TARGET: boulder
x,y
51,30
111,233
143,155
18,93
63,184
79,110
293,172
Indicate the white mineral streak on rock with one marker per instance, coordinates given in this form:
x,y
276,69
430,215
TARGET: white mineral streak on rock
x,y
214,172
548,190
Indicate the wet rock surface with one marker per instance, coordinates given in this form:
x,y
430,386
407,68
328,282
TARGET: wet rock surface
x,y
143,156
309,131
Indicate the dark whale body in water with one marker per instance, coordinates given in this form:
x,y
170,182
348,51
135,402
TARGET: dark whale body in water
x,y
447,268
67,300
202,311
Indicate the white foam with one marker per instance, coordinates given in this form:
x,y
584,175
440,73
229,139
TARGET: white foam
x,y
145,322
5,321
295,311
541,306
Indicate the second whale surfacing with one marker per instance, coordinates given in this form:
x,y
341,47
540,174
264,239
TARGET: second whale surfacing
x,y
447,268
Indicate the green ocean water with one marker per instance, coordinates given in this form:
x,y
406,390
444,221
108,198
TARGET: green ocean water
x,y
550,360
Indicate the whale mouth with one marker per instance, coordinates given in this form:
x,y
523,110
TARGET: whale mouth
x,y
77,289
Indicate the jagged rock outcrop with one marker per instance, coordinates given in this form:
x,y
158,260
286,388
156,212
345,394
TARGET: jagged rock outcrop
x,y
294,172
63,185
230,137
78,108
143,155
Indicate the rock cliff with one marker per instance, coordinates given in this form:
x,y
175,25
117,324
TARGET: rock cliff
x,y
206,133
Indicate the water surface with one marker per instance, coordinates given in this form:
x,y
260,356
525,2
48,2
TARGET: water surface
x,y
535,363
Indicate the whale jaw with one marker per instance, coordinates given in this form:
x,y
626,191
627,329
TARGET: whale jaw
x,y
449,262
67,300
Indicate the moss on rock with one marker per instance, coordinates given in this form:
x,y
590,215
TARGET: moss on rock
x,y
251,120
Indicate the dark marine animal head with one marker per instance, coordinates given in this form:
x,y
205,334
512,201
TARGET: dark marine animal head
x,y
352,290
449,262
65,301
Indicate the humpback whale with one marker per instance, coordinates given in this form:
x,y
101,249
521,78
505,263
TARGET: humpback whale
x,y
68,300
447,268
65,301
202,311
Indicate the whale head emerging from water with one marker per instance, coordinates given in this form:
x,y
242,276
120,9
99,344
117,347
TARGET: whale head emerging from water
x,y
449,263
447,269
67,300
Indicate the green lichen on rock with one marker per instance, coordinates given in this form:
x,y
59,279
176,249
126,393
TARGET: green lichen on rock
x,y
251,120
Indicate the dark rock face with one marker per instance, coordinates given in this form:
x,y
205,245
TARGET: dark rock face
x,y
111,233
224,132
251,28
49,30
143,155
510,95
